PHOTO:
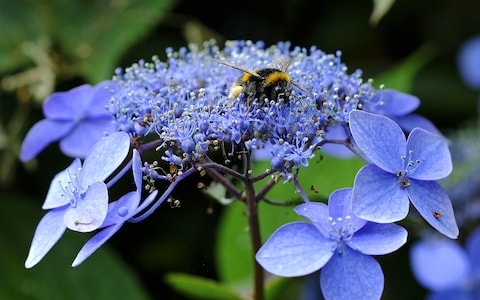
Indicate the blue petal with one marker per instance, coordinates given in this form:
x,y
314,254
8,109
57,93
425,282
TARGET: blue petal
x,y
105,157
113,222
351,275
473,249
120,210
409,122
41,135
49,230
137,170
339,203
439,264
337,150
318,214
378,197
94,243
295,249
433,204
90,211
124,208
118,213
68,105
340,206
379,138
58,194
432,151
84,136
453,294
468,62
378,239
100,98
396,103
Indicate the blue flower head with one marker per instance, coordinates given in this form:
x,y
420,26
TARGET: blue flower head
x,y
469,62
447,269
338,243
78,197
78,118
401,171
186,102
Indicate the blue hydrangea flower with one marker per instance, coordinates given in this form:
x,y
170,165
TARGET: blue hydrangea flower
x,y
463,185
388,102
399,107
119,212
447,269
78,118
78,197
401,171
469,62
338,243
185,102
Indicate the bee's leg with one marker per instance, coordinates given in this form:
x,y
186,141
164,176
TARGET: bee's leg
x,y
230,102
250,104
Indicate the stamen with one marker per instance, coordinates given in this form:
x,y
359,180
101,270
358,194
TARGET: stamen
x,y
410,167
70,189
77,222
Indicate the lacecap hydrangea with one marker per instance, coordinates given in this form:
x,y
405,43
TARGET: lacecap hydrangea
x,y
183,109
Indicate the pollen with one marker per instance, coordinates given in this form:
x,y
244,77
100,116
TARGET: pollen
x,y
236,91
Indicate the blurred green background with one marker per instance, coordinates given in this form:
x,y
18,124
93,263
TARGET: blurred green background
x,y
55,45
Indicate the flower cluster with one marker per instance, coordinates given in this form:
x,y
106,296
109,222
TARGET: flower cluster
x,y
447,269
183,109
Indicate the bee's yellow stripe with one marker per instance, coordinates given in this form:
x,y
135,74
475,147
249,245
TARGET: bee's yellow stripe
x,y
246,77
275,77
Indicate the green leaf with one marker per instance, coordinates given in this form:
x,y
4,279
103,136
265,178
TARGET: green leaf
x,y
102,276
20,22
89,35
380,9
328,174
196,287
234,259
97,34
403,75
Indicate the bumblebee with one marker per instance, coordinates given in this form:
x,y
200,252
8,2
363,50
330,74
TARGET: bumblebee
x,y
263,85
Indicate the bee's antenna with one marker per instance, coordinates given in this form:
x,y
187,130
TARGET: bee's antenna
x,y
297,85
232,65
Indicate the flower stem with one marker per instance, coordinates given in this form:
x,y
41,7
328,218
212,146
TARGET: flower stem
x,y
253,227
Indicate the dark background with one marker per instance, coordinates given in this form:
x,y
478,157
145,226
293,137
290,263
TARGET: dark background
x,y
181,239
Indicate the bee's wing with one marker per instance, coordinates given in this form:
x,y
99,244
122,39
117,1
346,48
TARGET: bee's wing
x,y
301,87
232,65
281,62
